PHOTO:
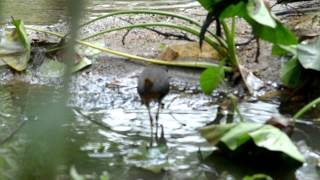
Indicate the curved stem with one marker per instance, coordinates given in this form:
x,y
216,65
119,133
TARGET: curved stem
x,y
195,64
219,47
306,108
157,12
230,38
164,13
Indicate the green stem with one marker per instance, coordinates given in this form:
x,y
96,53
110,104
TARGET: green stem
x,y
306,108
164,13
210,41
157,12
230,38
195,64
234,101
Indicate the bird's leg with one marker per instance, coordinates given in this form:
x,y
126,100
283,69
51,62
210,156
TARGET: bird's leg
x,y
151,123
157,118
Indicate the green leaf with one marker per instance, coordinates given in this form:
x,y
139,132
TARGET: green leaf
x,y
309,55
22,33
274,139
232,10
211,78
278,35
209,4
213,134
258,11
239,135
84,62
284,50
291,73
257,177
265,136
15,48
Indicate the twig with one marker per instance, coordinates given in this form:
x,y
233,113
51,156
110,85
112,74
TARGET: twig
x,y
166,35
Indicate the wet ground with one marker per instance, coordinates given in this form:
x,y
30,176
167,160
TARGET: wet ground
x,y
106,93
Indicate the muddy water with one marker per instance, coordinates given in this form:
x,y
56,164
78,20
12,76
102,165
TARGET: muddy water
x,y
46,12
118,144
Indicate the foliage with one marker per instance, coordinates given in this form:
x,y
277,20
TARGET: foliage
x,y
309,54
291,73
15,47
303,56
211,78
265,136
256,13
257,177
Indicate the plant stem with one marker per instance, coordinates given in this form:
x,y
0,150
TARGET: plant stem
x,y
234,101
230,38
219,47
306,108
157,12
195,64
164,13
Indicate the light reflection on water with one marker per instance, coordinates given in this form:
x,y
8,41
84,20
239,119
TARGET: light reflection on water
x,y
127,130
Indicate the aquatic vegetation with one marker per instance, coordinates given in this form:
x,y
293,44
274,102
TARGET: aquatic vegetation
x,y
15,48
303,57
234,135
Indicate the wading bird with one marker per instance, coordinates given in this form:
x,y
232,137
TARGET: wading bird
x,y
153,85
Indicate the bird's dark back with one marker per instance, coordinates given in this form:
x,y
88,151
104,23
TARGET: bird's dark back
x,y
153,83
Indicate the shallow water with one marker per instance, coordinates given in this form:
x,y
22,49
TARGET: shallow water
x,y
118,144
45,12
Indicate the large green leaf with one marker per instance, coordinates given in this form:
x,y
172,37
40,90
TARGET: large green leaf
x,y
291,73
209,4
265,136
278,35
15,48
274,139
238,9
284,50
309,55
211,78
258,11
264,24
